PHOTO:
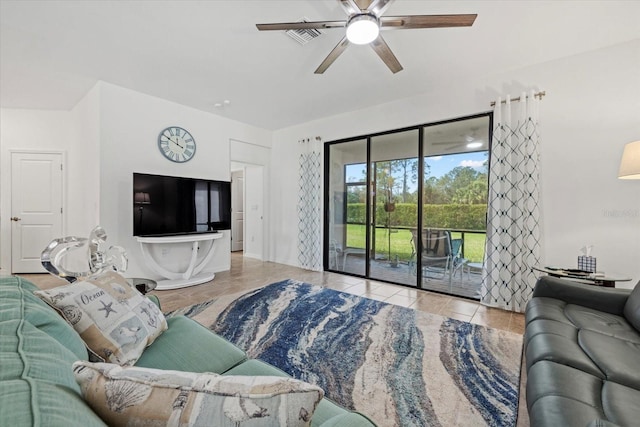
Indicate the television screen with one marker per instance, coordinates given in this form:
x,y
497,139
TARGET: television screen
x,y
169,205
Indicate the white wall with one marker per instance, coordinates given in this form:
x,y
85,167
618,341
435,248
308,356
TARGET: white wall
x,y
42,131
83,171
76,134
591,110
108,135
129,126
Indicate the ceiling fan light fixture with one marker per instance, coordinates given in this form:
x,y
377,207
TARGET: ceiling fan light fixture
x,y
363,28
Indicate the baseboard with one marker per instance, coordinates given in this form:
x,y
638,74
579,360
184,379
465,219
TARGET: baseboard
x,y
253,256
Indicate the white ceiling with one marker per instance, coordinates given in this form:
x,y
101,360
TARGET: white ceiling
x,y
199,53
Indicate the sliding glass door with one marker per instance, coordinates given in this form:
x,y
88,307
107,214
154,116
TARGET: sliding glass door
x,y
346,197
454,205
409,206
393,214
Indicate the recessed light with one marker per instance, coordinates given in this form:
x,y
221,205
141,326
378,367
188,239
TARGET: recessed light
x,y
474,144
222,104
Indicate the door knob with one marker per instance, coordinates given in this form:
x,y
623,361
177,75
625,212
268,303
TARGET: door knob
x,y
15,218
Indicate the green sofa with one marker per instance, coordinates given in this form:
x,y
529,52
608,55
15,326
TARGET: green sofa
x,y
37,348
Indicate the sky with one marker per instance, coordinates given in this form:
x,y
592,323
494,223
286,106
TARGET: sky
x,y
439,165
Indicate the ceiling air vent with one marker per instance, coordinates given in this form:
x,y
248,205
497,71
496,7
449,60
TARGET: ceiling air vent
x,y
303,36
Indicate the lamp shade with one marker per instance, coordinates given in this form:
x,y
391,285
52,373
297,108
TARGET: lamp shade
x,y
142,198
630,164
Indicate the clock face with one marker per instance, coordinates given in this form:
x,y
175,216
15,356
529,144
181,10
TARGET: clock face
x,y
176,144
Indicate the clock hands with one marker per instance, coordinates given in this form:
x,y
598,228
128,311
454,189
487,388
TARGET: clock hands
x,y
169,138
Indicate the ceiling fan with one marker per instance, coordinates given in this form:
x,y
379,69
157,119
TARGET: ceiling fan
x,y
468,138
364,24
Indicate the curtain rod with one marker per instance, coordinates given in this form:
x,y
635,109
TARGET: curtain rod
x,y
538,95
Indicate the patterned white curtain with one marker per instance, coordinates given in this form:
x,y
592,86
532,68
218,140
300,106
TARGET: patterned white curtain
x,y
513,218
309,206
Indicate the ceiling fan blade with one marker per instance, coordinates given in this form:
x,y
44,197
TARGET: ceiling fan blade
x,y
355,6
333,55
378,7
384,52
454,147
427,21
301,25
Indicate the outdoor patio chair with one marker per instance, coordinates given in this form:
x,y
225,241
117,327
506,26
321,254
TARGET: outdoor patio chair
x,y
458,261
335,250
337,254
441,255
436,251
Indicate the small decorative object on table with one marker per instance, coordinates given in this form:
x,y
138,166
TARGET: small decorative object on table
x,y
585,261
64,257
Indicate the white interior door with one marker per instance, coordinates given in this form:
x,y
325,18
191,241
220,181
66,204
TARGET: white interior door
x,y
254,211
237,211
36,207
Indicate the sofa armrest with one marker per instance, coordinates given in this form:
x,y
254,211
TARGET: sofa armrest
x,y
609,300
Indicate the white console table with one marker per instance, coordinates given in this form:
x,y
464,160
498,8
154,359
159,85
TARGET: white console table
x,y
193,274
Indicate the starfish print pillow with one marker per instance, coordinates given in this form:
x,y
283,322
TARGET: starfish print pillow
x,y
115,321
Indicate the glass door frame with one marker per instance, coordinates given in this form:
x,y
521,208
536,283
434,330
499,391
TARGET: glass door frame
x,y
368,207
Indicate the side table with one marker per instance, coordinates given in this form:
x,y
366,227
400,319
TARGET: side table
x,y
193,274
598,279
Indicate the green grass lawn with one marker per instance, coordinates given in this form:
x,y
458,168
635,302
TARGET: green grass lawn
x,y
402,246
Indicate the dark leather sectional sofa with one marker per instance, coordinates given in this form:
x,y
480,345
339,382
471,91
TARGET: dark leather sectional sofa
x,y
582,349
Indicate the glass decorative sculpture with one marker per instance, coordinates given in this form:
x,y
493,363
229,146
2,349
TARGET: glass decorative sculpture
x,y
72,258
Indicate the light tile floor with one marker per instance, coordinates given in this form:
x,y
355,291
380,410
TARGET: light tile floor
x,y
247,273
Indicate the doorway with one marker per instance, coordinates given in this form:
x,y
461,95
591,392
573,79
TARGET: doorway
x,y
36,207
247,227
237,210
253,160
254,212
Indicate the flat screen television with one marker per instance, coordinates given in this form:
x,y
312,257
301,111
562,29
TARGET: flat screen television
x,y
170,205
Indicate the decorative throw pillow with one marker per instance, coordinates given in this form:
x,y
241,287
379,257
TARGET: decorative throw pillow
x,y
115,321
145,396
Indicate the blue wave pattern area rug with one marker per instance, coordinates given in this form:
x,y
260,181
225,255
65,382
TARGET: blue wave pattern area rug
x,y
398,366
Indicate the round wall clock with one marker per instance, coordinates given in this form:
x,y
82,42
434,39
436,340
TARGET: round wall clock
x,y
176,144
